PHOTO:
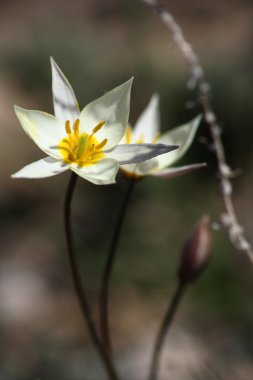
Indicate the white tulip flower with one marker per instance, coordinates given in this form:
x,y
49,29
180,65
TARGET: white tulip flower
x,y
147,130
84,141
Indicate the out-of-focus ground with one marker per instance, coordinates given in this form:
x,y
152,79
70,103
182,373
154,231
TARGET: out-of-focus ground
x,y
99,44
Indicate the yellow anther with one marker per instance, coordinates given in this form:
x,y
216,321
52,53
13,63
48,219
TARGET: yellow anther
x,y
98,127
92,149
76,126
128,135
67,127
156,138
72,141
90,137
140,139
101,145
81,148
72,157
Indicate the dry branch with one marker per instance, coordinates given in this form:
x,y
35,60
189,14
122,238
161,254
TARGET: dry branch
x,y
198,81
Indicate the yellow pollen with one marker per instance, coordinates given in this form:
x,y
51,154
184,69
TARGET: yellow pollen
x,y
76,126
140,139
81,148
101,145
156,138
128,135
67,127
98,127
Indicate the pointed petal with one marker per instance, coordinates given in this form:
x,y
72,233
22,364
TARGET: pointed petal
x,y
65,103
44,129
147,126
47,167
134,153
113,108
101,173
183,136
176,172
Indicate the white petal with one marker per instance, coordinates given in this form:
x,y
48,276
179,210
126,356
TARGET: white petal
x,y
134,153
113,108
65,103
130,168
101,173
44,129
147,167
182,136
176,172
147,126
141,169
47,167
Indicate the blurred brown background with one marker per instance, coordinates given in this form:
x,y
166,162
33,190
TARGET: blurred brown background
x,y
99,44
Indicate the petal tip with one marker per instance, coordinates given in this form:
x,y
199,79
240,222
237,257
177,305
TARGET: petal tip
x,y
15,175
53,63
155,98
129,82
196,121
18,110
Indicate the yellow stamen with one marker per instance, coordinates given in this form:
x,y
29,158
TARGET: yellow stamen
x,y
66,140
92,149
98,127
87,155
72,141
67,127
76,126
101,145
81,148
156,138
140,139
128,135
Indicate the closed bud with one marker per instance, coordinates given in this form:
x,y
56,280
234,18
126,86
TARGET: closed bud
x,y
196,252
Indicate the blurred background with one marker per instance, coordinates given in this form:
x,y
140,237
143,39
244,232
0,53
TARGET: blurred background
x,y
99,44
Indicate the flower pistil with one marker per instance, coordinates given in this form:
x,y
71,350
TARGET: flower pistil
x,y
81,148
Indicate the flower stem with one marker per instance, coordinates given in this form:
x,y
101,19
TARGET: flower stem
x,y
105,283
79,288
164,328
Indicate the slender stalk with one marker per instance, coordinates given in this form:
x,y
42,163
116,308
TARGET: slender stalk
x,y
105,283
198,80
164,328
79,288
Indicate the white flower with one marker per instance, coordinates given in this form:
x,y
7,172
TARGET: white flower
x,y
83,141
147,130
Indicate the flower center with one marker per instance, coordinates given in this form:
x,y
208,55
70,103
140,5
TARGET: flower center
x,y
81,148
140,139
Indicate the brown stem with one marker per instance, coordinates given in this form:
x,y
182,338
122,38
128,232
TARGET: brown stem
x,y
78,286
105,283
164,328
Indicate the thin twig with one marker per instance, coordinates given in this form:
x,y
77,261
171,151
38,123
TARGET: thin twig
x,y
77,281
105,283
198,80
164,328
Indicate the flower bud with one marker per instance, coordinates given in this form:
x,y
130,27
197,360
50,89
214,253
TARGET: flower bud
x,y
196,252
